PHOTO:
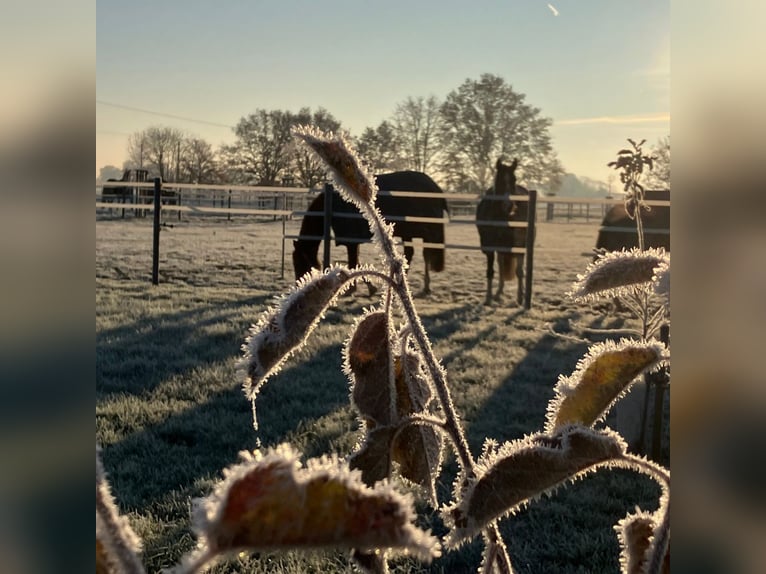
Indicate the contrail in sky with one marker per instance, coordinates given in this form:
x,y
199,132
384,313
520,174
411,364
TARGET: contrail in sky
x,y
553,9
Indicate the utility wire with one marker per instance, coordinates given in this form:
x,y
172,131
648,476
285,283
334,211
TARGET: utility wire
x,y
161,114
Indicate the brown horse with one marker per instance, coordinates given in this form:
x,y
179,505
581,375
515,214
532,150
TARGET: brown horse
x,y
494,211
618,230
351,231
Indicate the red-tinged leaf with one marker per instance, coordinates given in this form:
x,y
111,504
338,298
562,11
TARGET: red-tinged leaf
x,y
367,360
272,502
286,326
418,450
601,378
525,469
617,273
373,459
117,546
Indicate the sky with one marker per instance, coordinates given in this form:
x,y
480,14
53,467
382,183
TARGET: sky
x,y
600,69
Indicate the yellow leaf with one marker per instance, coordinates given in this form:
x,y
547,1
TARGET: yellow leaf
x,y
601,378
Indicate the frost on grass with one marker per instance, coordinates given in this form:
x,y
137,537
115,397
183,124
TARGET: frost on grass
x,y
271,501
511,475
617,273
117,546
601,378
284,328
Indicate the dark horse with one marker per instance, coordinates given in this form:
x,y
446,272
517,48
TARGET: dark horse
x,y
356,229
494,210
618,230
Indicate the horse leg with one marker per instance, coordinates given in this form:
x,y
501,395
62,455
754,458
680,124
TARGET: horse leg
x,y
490,272
353,262
519,278
426,279
503,262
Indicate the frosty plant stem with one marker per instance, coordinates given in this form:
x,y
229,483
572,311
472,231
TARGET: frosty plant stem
x,y
357,185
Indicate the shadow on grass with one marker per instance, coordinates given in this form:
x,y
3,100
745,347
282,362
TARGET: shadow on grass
x,y
136,357
198,442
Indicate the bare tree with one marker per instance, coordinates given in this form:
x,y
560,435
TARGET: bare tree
x,y
416,121
485,119
198,161
380,148
260,154
157,149
659,176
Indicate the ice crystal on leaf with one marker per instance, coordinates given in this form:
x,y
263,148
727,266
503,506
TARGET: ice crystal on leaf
x,y
617,273
520,471
284,328
271,501
601,378
352,178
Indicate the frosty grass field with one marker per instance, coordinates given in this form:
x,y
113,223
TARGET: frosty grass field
x,y
170,414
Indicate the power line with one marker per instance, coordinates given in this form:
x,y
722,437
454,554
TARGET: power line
x,y
161,114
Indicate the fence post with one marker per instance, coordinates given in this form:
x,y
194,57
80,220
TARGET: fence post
x,y
327,224
156,234
228,217
284,217
531,216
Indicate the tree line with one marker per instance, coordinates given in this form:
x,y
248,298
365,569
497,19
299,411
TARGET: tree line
x,y
455,140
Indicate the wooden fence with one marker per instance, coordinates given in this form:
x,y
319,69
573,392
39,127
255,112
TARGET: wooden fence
x,y
283,203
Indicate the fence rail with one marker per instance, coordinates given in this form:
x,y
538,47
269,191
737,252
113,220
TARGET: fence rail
x,y
273,196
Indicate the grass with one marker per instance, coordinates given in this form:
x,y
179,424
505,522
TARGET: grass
x,y
170,414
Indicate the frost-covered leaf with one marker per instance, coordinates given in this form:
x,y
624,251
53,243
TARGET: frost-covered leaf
x,y
522,470
285,327
271,501
601,378
373,458
368,363
635,533
352,178
661,282
418,450
117,546
413,391
617,273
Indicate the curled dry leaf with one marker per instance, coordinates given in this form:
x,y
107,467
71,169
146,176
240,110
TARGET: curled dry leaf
x,y
368,363
617,273
373,458
285,327
520,471
602,376
418,450
413,390
271,501
635,533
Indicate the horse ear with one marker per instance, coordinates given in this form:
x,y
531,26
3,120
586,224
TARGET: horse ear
x,y
499,163
514,164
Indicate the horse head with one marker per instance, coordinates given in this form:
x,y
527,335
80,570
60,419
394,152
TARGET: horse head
x,y
304,258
